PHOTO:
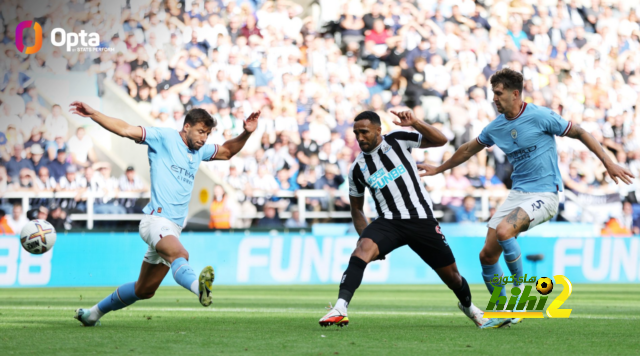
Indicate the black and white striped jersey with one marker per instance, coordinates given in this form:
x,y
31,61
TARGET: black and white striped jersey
x,y
391,175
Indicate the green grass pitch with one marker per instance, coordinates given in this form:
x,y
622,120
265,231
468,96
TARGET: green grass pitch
x,y
283,320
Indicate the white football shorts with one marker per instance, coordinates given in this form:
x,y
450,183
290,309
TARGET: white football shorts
x,y
539,206
152,230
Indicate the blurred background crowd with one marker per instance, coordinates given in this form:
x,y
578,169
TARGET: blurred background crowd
x,y
310,68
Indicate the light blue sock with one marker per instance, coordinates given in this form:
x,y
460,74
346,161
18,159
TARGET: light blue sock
x,y
184,275
488,271
124,296
512,257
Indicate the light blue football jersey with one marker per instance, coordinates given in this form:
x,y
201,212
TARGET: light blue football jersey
x,y
529,142
173,170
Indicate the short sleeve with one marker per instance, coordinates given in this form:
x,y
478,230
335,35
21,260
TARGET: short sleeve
x,y
484,138
356,185
151,136
209,152
406,138
554,124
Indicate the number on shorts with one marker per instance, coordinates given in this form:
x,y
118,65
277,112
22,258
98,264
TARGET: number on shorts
x,y
537,205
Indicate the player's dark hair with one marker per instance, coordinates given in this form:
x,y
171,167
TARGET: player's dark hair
x,y
369,115
194,116
509,78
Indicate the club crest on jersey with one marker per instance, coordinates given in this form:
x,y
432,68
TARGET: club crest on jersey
x,y
190,158
514,134
385,147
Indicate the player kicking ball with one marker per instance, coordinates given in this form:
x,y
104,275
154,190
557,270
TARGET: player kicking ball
x,y
526,133
174,158
405,211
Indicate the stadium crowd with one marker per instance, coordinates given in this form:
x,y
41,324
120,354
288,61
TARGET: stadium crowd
x,y
311,75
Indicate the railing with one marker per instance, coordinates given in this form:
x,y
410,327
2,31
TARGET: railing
x,y
90,197
301,195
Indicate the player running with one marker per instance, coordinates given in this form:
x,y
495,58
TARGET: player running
x,y
405,211
525,132
174,158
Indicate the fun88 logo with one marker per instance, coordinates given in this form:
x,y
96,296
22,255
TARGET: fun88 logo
x,y
380,179
20,35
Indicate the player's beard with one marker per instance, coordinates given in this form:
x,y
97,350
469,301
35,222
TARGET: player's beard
x,y
191,144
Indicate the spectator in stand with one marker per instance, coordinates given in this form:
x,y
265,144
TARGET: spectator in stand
x,y
73,182
270,219
36,138
81,149
467,212
38,159
5,229
17,163
17,220
26,182
294,221
457,184
131,182
58,167
220,211
110,185
56,124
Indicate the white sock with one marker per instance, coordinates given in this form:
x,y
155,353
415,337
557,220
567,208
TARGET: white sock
x,y
94,314
195,287
341,304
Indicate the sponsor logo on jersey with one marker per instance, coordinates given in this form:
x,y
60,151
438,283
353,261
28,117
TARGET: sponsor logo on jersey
x,y
183,174
381,178
521,154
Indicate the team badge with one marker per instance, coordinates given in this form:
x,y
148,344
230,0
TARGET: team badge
x,y
514,134
190,158
385,147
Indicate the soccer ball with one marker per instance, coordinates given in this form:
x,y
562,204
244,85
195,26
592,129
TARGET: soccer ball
x,y
38,237
544,285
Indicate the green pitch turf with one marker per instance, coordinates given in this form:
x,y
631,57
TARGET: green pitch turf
x,y
385,320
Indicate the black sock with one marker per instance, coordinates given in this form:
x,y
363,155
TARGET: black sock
x,y
463,293
352,278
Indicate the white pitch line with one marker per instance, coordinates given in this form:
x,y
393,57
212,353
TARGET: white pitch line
x,y
300,311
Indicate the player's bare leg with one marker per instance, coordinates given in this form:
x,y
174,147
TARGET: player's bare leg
x,y
503,238
365,252
144,288
458,284
150,278
171,250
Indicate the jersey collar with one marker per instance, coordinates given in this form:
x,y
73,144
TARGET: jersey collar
x,y
524,106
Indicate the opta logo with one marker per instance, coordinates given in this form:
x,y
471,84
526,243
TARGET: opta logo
x,y
19,35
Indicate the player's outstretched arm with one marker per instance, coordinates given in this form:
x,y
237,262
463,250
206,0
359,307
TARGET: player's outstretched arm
x,y
233,146
463,153
114,125
615,171
431,137
357,213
